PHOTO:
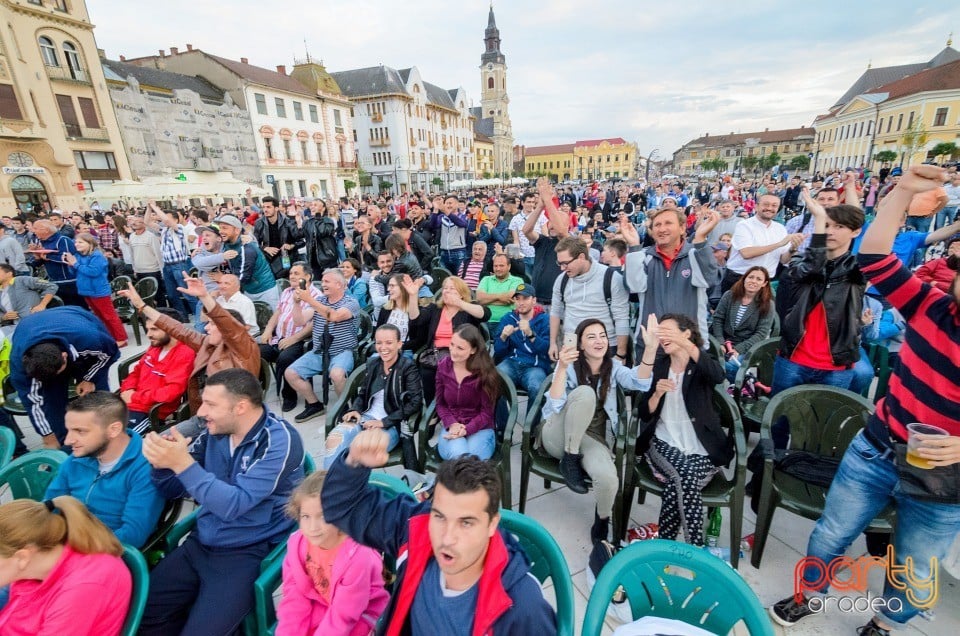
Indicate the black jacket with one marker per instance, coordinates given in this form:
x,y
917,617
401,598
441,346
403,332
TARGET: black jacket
x,y
402,392
290,234
699,381
423,330
839,285
422,250
367,258
320,234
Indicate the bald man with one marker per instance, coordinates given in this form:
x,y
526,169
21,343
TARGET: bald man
x,y
58,272
228,296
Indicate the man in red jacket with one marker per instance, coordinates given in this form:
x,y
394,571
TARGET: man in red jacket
x,y
941,272
160,376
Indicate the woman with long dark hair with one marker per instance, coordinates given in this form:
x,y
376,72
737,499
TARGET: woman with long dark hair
x,y
581,417
744,316
681,434
468,387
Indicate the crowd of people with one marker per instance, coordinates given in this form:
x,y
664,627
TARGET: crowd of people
x,y
615,289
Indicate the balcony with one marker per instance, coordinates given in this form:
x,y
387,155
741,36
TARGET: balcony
x,y
377,117
384,141
347,165
76,132
66,74
19,128
430,143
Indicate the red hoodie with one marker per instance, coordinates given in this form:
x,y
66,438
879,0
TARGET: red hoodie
x,y
157,381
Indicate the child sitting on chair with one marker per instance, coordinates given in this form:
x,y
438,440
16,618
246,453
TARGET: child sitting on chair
x,y
331,584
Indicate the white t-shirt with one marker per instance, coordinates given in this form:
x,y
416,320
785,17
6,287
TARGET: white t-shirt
x,y
675,427
753,233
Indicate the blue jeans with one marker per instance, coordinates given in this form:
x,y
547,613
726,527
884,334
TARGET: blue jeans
x,y
347,432
173,278
788,374
527,378
731,369
867,481
451,259
862,373
945,216
481,444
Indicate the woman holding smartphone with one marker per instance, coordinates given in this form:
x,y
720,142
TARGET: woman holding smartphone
x,y
581,418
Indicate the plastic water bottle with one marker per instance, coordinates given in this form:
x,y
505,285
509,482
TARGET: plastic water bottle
x,y
712,536
720,553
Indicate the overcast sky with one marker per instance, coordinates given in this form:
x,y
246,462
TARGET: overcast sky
x,y
659,73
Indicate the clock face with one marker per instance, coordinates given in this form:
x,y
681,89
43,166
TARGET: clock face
x,y
489,67
20,159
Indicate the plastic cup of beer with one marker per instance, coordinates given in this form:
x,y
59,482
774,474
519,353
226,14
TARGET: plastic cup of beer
x,y
914,443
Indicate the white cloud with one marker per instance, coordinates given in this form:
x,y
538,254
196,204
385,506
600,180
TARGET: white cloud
x,y
658,73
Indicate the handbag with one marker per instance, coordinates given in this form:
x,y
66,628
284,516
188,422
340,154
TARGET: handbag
x,y
430,357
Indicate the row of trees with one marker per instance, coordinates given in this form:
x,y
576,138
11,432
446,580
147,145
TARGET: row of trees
x,y
750,163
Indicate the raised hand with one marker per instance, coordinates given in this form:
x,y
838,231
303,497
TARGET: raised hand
x,y
369,448
922,178
629,232
651,332
195,287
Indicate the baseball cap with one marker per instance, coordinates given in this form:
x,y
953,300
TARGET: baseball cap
x,y
230,220
210,227
720,247
524,289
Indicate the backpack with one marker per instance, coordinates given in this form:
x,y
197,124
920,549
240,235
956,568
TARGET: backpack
x,y
607,290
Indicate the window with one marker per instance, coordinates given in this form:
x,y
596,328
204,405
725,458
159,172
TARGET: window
x,y
490,82
268,145
900,122
337,122
298,111
940,117
69,115
910,121
9,106
261,102
88,160
60,5
319,151
313,114
303,150
889,123
48,51
286,150
281,107
73,60
302,185
89,112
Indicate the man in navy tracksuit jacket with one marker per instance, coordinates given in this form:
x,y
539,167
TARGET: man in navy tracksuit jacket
x,y
87,350
241,469
457,572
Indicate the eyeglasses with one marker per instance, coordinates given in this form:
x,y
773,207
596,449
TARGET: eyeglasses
x,y
564,264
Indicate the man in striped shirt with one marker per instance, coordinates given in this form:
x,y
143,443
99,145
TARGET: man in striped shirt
x,y
176,261
925,387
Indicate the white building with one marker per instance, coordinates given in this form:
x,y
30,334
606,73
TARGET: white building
x,y
301,121
409,133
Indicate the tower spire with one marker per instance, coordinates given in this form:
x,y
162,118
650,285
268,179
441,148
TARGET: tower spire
x,y
949,38
491,20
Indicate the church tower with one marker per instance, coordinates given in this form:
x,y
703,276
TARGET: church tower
x,y
494,101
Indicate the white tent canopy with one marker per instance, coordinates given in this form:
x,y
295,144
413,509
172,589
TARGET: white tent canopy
x,y
197,185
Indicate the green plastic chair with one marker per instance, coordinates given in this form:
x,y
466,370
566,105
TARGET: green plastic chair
x,y
546,562
141,589
680,582
124,366
823,420
537,462
124,309
430,459
263,312
8,439
28,476
271,574
719,493
762,356
336,412
880,359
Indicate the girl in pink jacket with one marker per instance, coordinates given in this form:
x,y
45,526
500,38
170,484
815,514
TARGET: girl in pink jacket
x,y
64,571
331,584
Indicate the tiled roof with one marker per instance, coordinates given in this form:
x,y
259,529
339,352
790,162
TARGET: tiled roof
x,y
764,137
439,96
165,79
940,78
373,80
479,136
875,77
558,149
484,126
263,76
614,141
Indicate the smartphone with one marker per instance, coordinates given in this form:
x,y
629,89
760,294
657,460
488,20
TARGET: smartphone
x,y
569,340
303,284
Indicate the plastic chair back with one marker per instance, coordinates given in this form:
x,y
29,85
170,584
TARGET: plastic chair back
x,y
677,581
147,288
11,399
263,312
823,419
8,439
546,562
123,369
27,477
56,301
141,589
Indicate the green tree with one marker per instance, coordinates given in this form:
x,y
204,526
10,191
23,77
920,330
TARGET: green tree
x,y
912,140
364,178
749,163
945,149
800,162
885,156
385,185
437,181
349,185
486,174
771,160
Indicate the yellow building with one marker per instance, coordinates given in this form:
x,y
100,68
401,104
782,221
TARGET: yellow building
x,y
907,116
555,161
743,152
58,133
484,155
613,158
